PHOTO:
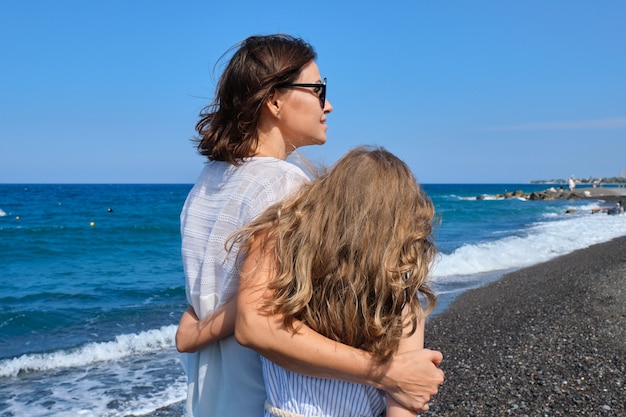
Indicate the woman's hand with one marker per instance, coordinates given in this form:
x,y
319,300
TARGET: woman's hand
x,y
414,393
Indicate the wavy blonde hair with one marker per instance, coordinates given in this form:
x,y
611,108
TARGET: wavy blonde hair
x,y
351,250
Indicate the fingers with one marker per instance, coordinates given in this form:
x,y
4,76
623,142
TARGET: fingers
x,y
417,377
436,357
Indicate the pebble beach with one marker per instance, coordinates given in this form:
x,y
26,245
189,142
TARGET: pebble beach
x,y
548,340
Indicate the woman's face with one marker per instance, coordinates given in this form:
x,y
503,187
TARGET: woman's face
x,y
302,120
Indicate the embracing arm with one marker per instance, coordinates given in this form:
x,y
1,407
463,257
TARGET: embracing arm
x,y
415,341
193,334
411,377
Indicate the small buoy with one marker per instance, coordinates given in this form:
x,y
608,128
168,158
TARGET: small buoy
x,y
92,224
109,210
17,217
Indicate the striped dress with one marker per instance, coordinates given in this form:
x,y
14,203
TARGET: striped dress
x,y
290,394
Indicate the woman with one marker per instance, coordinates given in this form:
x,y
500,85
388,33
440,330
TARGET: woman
x,y
270,100
348,261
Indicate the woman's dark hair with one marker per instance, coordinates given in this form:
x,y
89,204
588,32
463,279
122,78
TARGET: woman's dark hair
x,y
227,129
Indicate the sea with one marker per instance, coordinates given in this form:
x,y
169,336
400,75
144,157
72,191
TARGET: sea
x,y
92,285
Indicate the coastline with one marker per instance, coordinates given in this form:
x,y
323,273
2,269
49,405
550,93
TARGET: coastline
x,y
549,340
117,319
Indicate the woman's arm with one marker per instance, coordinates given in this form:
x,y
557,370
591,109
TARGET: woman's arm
x,y
411,377
415,341
193,334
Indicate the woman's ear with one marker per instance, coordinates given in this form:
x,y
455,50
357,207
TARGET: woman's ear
x,y
274,103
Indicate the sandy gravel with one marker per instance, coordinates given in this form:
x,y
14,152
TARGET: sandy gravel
x,y
548,340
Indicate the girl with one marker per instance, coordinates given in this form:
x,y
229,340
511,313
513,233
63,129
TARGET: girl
x,y
346,256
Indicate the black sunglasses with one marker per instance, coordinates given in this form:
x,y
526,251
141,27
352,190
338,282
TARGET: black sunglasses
x,y
320,90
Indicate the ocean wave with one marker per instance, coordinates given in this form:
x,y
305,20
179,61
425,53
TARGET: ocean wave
x,y
123,346
136,385
541,242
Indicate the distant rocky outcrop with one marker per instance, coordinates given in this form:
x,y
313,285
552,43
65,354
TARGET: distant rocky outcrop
x,y
552,194
558,194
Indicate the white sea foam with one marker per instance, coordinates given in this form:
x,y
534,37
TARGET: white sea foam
x,y
541,242
123,346
131,386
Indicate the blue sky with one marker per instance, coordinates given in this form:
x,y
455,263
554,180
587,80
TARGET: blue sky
x,y
464,91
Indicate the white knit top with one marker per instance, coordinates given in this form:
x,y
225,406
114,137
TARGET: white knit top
x,y
225,379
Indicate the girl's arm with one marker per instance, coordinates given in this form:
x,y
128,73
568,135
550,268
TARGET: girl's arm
x,y
411,377
415,341
193,334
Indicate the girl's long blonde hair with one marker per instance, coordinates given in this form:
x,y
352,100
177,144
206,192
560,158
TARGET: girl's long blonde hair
x,y
352,250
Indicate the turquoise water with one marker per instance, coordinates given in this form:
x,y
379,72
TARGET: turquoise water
x,y
92,283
